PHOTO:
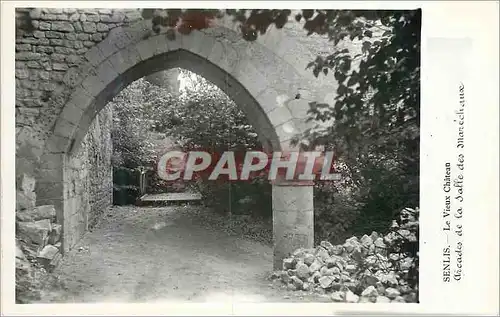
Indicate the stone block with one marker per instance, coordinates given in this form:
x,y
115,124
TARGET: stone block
x,y
146,48
106,72
59,144
117,17
89,27
59,66
96,37
125,59
64,50
101,27
37,213
250,78
64,128
28,183
35,13
225,55
28,56
52,10
117,39
54,35
22,73
55,234
49,257
35,232
193,42
48,252
62,26
74,17
37,34
57,42
23,47
93,18
78,26
279,116
25,201
94,56
82,37
44,26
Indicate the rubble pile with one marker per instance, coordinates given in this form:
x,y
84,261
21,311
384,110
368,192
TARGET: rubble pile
x,y
368,269
38,241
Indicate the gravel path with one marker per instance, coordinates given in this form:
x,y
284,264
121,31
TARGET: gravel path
x,y
160,255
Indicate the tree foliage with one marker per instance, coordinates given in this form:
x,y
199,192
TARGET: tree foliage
x,y
204,118
132,146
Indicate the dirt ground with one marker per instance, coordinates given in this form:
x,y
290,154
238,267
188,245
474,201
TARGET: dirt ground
x,y
148,255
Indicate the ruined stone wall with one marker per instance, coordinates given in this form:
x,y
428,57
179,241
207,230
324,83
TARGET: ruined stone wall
x,y
56,42
89,174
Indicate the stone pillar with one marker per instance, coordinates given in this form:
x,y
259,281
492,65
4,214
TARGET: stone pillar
x,y
50,185
293,219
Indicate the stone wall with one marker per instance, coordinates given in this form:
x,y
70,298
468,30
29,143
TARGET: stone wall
x,y
38,236
54,42
89,174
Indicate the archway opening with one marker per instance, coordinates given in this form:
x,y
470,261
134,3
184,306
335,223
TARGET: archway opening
x,y
87,182
273,118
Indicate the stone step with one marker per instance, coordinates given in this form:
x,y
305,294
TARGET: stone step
x,y
170,198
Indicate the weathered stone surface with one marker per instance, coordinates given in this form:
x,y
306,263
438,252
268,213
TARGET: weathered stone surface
x,y
392,293
55,262
302,271
366,240
327,246
101,27
48,252
382,299
379,243
37,213
309,259
34,231
326,281
89,27
370,291
25,201
351,268
315,266
350,297
55,234
62,26
337,296
297,282
19,252
322,253
399,299
285,277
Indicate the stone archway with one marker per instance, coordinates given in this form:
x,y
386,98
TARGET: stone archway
x,y
261,82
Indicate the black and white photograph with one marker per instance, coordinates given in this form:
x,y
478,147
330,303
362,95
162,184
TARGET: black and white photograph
x,y
191,153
